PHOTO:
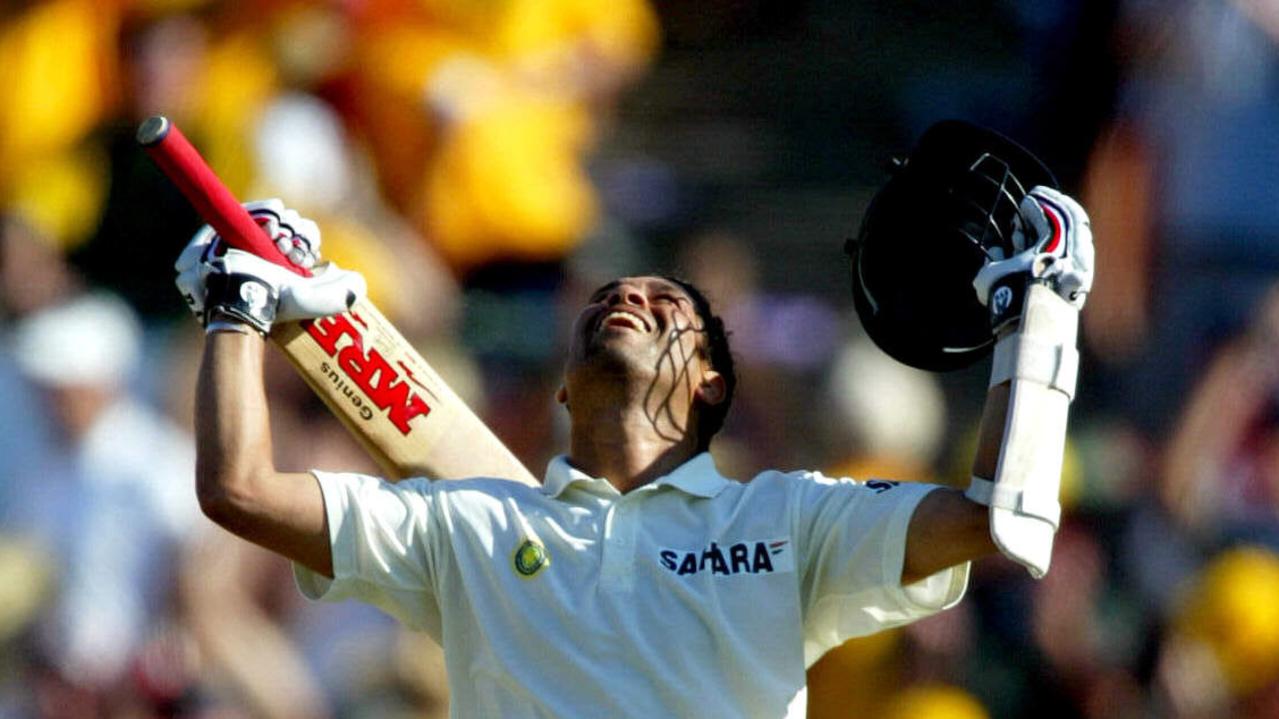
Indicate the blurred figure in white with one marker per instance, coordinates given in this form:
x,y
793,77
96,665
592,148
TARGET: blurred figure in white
x,y
301,151
109,499
891,422
892,417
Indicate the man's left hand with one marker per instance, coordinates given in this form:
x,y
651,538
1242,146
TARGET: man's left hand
x,y
1055,246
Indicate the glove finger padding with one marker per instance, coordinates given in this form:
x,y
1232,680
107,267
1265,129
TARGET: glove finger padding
x,y
303,246
1071,272
193,269
296,237
1056,245
328,291
1031,228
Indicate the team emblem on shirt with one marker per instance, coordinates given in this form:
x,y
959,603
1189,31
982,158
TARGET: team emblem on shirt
x,y
530,558
758,557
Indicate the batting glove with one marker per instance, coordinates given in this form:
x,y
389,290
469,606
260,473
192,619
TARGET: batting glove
x,y
1054,245
221,284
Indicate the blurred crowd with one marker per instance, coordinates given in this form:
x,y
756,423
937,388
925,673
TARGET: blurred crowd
x,y
449,150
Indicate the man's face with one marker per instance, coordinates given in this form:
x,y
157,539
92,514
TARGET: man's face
x,y
644,328
637,322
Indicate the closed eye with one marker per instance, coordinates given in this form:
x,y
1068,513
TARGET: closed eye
x,y
671,298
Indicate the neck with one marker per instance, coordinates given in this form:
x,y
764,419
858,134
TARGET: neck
x,y
625,442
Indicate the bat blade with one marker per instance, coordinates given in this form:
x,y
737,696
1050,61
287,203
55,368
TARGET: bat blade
x,y
394,403
403,413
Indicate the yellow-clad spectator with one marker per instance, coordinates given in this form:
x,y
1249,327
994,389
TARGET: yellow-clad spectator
x,y
857,678
508,182
60,71
1233,611
238,80
478,115
580,46
59,63
935,701
59,194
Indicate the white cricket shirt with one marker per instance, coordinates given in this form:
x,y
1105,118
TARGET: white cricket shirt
x,y
693,596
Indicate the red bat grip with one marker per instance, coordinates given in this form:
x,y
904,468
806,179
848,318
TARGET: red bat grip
x,y
179,160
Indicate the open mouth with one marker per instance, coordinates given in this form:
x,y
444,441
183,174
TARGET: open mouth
x,y
618,318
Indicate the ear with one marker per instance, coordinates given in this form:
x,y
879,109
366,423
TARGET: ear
x,y
712,389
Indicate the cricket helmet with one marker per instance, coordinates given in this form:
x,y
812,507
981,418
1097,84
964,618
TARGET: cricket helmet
x,y
949,206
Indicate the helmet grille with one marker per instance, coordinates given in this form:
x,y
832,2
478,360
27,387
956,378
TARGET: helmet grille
x,y
989,196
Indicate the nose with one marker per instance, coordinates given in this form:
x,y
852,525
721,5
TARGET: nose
x,y
628,293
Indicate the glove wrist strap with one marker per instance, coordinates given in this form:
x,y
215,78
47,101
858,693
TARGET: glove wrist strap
x,y
1007,298
241,298
222,323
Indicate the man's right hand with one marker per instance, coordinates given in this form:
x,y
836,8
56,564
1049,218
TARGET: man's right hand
x,y
221,284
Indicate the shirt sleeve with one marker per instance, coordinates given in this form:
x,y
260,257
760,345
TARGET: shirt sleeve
x,y
851,538
381,539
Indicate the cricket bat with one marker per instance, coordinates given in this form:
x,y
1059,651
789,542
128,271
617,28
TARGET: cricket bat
x,y
407,418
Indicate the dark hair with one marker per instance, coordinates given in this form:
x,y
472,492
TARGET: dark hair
x,y
710,417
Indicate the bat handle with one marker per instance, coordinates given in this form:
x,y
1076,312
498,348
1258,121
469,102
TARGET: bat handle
x,y
179,160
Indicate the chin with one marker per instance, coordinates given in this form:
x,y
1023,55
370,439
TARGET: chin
x,y
613,358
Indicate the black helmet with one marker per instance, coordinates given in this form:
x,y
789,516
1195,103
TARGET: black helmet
x,y
948,207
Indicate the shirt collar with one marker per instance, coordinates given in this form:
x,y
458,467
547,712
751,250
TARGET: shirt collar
x,y
698,477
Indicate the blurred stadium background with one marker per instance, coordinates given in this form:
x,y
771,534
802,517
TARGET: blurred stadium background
x,y
487,162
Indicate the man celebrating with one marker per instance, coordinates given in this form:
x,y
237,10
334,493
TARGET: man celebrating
x,y
637,581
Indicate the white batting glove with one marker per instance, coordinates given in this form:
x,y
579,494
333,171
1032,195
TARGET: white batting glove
x,y
1054,245
223,284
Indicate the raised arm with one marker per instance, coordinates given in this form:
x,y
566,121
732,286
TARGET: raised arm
x,y
947,527
236,480
237,297
1034,298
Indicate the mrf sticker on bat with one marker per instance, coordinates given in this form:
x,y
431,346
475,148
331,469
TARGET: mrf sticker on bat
x,y
386,386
